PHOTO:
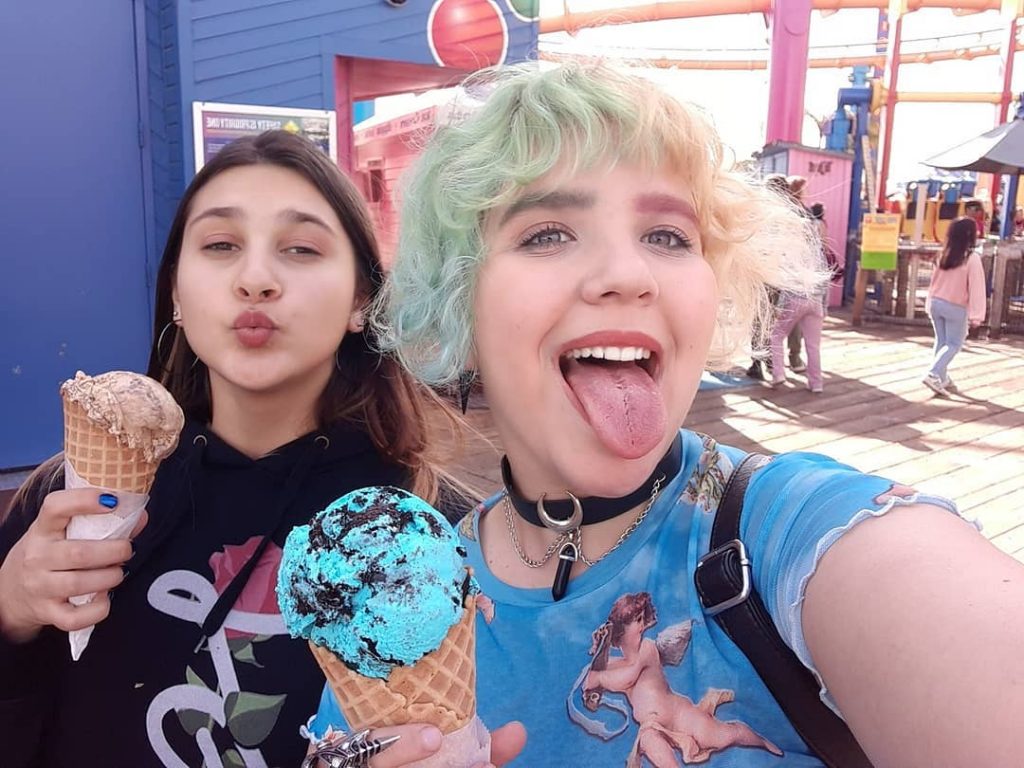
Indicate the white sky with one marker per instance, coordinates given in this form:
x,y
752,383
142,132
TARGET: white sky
x,y
738,100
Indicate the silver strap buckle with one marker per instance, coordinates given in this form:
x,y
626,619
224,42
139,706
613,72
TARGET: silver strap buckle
x,y
741,551
341,750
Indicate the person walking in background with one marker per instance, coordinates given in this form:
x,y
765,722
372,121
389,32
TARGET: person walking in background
x,y
956,299
796,185
791,188
804,315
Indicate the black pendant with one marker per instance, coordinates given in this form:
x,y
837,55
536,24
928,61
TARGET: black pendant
x,y
567,557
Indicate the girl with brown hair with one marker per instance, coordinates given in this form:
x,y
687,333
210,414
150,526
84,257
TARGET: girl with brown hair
x,y
260,335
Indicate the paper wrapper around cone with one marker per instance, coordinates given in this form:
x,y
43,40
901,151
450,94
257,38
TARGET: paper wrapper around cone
x,y
439,689
94,456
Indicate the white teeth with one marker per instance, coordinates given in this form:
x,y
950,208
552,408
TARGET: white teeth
x,y
624,354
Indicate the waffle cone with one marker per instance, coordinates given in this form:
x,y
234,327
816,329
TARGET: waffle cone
x,y
439,689
99,457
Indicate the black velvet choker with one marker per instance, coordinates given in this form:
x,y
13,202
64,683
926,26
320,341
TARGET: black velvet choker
x,y
596,509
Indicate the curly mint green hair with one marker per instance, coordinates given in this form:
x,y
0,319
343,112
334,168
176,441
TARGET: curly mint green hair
x,y
571,118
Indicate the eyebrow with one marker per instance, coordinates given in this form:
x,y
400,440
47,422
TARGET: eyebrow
x,y
220,212
661,203
294,216
289,215
557,200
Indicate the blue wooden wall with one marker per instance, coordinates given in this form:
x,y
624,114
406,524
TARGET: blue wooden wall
x,y
98,149
276,53
163,115
74,210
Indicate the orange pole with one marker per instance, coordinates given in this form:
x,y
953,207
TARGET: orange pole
x,y
571,21
892,68
1006,55
927,97
819,63
1009,48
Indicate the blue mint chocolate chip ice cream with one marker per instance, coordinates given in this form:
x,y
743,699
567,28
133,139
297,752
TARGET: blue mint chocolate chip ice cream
x,y
377,577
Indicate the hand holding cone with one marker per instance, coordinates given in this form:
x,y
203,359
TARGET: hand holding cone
x,y
377,584
118,427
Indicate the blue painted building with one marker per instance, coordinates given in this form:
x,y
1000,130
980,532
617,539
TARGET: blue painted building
x,y
96,147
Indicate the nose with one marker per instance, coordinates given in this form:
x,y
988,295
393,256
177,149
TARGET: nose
x,y
621,270
255,280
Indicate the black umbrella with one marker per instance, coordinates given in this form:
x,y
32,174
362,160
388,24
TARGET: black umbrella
x,y
1000,150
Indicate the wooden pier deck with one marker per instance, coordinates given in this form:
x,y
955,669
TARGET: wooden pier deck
x,y
876,415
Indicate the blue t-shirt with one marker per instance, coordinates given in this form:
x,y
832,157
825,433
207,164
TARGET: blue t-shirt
x,y
626,669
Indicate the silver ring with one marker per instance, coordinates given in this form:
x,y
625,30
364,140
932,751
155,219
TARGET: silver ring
x,y
561,526
340,750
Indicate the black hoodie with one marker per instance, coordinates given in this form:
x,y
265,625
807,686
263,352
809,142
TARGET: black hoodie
x,y
153,688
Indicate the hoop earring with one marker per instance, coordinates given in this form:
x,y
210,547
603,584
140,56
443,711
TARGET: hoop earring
x,y
159,344
164,360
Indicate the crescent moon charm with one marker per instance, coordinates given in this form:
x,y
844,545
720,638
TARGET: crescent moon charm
x,y
561,526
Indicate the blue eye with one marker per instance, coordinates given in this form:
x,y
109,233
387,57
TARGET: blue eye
x,y
547,237
668,239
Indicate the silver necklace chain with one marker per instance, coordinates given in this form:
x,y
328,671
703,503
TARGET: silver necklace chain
x,y
576,533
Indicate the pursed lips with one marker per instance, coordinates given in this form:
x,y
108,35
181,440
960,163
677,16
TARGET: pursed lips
x,y
254,329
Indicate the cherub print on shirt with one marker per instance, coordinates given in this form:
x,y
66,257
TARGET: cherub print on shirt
x,y
673,730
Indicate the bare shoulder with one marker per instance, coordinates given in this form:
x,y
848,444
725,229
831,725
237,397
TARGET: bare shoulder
x,y
915,622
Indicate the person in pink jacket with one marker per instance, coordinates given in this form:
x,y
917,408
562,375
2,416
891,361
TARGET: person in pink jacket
x,y
956,299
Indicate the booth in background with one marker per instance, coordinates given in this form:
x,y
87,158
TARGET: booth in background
x,y
828,177
384,148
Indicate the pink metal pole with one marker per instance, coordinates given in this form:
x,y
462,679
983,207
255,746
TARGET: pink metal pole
x,y
343,112
787,69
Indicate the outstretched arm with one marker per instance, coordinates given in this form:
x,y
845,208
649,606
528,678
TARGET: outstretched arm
x,y
915,623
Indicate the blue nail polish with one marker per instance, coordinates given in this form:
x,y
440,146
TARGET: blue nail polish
x,y
108,500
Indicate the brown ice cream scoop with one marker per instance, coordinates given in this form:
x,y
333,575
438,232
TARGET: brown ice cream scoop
x,y
118,427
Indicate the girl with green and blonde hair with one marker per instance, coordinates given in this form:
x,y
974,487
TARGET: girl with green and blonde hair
x,y
584,247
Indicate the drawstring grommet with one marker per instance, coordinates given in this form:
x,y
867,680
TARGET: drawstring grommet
x,y
200,440
323,441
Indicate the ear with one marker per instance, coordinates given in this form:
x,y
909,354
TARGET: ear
x,y
175,307
357,320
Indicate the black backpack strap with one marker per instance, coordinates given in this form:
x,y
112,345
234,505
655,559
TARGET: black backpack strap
x,y
725,583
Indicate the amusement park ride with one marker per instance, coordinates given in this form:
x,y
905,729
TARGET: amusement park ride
x,y
864,119
858,142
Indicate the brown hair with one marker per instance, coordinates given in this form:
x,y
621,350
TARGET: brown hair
x,y
961,238
626,610
366,389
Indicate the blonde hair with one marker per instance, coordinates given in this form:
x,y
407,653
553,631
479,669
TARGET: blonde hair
x,y
574,117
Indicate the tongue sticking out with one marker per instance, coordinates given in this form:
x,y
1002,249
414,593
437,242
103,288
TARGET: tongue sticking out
x,y
622,404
